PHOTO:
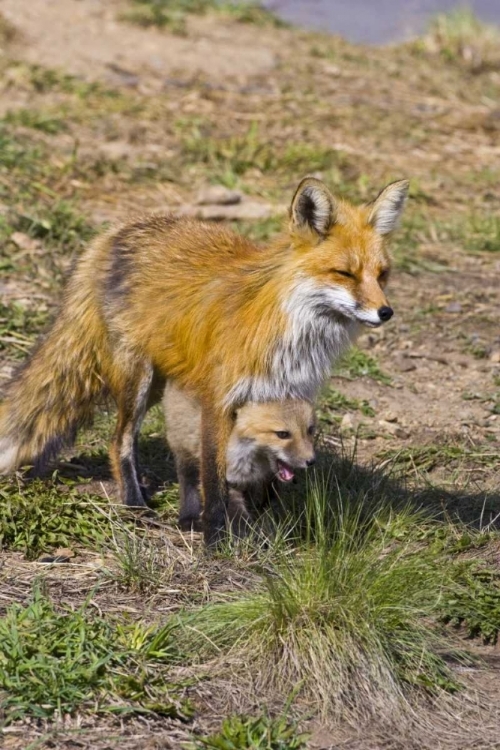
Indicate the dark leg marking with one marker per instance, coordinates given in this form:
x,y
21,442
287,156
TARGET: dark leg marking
x,y
213,482
188,473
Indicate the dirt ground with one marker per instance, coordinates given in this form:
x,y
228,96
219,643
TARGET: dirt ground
x,y
385,113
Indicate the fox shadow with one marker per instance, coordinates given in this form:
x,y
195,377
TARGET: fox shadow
x,y
341,484
338,477
156,463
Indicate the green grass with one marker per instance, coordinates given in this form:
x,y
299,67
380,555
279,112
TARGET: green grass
x,y
333,403
173,14
357,363
63,660
19,326
262,230
141,563
44,80
233,157
253,733
416,230
478,233
345,616
40,202
459,37
31,118
474,603
38,516
425,458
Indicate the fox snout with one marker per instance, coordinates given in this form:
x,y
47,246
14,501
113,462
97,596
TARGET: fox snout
x,y
305,460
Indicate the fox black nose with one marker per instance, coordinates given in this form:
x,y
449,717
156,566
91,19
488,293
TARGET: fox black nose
x,y
385,313
310,461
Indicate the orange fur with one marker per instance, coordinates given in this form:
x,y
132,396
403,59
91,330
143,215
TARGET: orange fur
x,y
162,298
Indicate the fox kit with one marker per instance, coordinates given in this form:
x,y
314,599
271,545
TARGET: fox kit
x,y
163,299
267,440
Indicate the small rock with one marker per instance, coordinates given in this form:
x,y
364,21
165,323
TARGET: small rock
x,y
391,428
348,423
243,211
50,559
453,307
390,416
332,70
218,195
64,552
121,76
25,242
495,357
404,364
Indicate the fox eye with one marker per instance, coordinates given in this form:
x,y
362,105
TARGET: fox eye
x,y
283,434
346,274
383,275
311,430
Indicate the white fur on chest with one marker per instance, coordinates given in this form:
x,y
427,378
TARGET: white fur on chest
x,y
316,337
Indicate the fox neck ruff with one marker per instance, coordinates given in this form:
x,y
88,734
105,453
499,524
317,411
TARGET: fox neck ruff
x,y
316,335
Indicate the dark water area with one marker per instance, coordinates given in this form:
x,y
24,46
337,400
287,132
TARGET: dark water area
x,y
375,21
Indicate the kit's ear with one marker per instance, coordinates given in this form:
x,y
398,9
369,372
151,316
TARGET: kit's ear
x,y
388,206
313,207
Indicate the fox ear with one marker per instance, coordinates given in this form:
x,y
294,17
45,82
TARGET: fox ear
x,y
388,206
313,206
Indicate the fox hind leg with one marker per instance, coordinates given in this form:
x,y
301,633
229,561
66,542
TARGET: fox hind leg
x,y
188,473
132,403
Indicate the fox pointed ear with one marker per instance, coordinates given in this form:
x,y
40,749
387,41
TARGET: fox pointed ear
x,y
388,206
313,206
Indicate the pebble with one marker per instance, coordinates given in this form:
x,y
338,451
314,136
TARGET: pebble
x,y
218,195
25,242
348,423
243,211
403,364
393,429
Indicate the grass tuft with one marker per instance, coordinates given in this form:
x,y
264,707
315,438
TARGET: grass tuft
x,y
345,617
173,14
459,37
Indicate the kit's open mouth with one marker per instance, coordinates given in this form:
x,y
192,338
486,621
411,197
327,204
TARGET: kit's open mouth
x,y
285,472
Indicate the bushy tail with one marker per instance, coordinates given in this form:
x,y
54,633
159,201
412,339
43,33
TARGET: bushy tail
x,y
53,393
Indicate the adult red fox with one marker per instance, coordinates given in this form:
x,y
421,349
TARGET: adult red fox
x,y
269,439
164,298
